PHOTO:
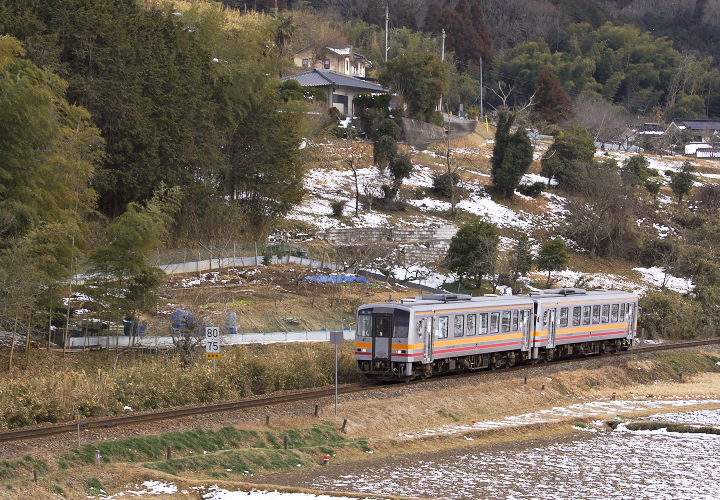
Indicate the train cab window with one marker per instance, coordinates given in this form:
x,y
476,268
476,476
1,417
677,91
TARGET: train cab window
x,y
459,325
364,327
596,315
577,316
471,324
586,315
505,327
614,313
442,327
514,321
483,323
622,312
494,322
402,324
563,316
606,313
629,311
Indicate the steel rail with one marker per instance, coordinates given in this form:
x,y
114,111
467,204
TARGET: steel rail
x,y
305,395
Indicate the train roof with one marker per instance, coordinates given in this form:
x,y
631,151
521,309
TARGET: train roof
x,y
453,301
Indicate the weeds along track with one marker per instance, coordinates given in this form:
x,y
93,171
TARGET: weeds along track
x,y
26,433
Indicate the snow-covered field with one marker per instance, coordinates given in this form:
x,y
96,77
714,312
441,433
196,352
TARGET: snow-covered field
x,y
601,464
154,488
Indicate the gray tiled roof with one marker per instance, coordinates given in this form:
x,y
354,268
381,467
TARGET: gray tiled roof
x,y
325,78
699,124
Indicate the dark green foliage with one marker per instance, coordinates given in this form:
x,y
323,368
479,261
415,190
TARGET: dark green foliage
x,y
653,185
521,258
512,155
443,183
473,251
668,314
384,150
337,207
421,78
681,182
635,171
572,146
552,103
291,90
371,110
534,190
552,257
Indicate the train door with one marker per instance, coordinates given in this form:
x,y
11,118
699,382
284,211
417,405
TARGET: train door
x,y
382,336
428,334
551,328
525,327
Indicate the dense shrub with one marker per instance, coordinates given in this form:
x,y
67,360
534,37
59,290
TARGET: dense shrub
x,y
442,184
534,190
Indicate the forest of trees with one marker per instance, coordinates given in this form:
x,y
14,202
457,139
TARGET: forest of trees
x,y
128,124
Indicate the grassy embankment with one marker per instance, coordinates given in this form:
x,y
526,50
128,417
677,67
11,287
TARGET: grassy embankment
x,y
232,454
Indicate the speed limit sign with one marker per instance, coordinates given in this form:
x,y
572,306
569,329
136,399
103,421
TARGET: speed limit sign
x,y
212,342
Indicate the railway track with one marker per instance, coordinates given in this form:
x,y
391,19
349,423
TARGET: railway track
x,y
25,433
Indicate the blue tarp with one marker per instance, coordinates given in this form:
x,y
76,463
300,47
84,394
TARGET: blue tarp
x,y
335,279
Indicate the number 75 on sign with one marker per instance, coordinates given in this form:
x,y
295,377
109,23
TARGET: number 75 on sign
x,y
212,342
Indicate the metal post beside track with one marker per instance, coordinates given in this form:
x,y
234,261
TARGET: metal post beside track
x,y
336,338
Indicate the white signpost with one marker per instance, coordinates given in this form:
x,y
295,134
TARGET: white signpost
x,y
336,338
212,344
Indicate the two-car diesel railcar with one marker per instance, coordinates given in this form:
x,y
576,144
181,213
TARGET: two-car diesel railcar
x,y
421,336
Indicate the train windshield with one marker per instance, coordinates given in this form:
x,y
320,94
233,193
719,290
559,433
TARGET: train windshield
x,y
383,324
364,326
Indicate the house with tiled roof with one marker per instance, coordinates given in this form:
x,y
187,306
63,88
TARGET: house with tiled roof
x,y
340,89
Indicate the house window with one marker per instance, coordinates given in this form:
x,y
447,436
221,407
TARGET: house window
x,y
305,63
347,67
326,64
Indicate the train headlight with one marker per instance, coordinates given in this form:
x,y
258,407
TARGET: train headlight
x,y
401,351
361,349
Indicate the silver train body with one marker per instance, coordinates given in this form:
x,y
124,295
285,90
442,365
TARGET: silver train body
x,y
432,334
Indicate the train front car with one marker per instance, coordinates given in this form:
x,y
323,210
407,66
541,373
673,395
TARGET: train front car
x,y
382,345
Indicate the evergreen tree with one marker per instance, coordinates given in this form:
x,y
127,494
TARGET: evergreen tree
x,y
681,182
512,155
421,79
552,104
552,257
521,258
473,251
635,171
571,146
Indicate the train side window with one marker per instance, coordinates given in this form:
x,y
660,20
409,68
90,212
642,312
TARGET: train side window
x,y
622,312
505,327
586,315
577,315
596,315
494,322
459,325
545,318
514,321
471,324
606,313
614,313
442,327
402,324
483,323
629,311
420,328
563,316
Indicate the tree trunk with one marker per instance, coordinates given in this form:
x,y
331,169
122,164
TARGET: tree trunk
x,y
27,340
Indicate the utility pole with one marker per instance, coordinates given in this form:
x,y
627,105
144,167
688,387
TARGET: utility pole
x,y
442,58
481,90
387,22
